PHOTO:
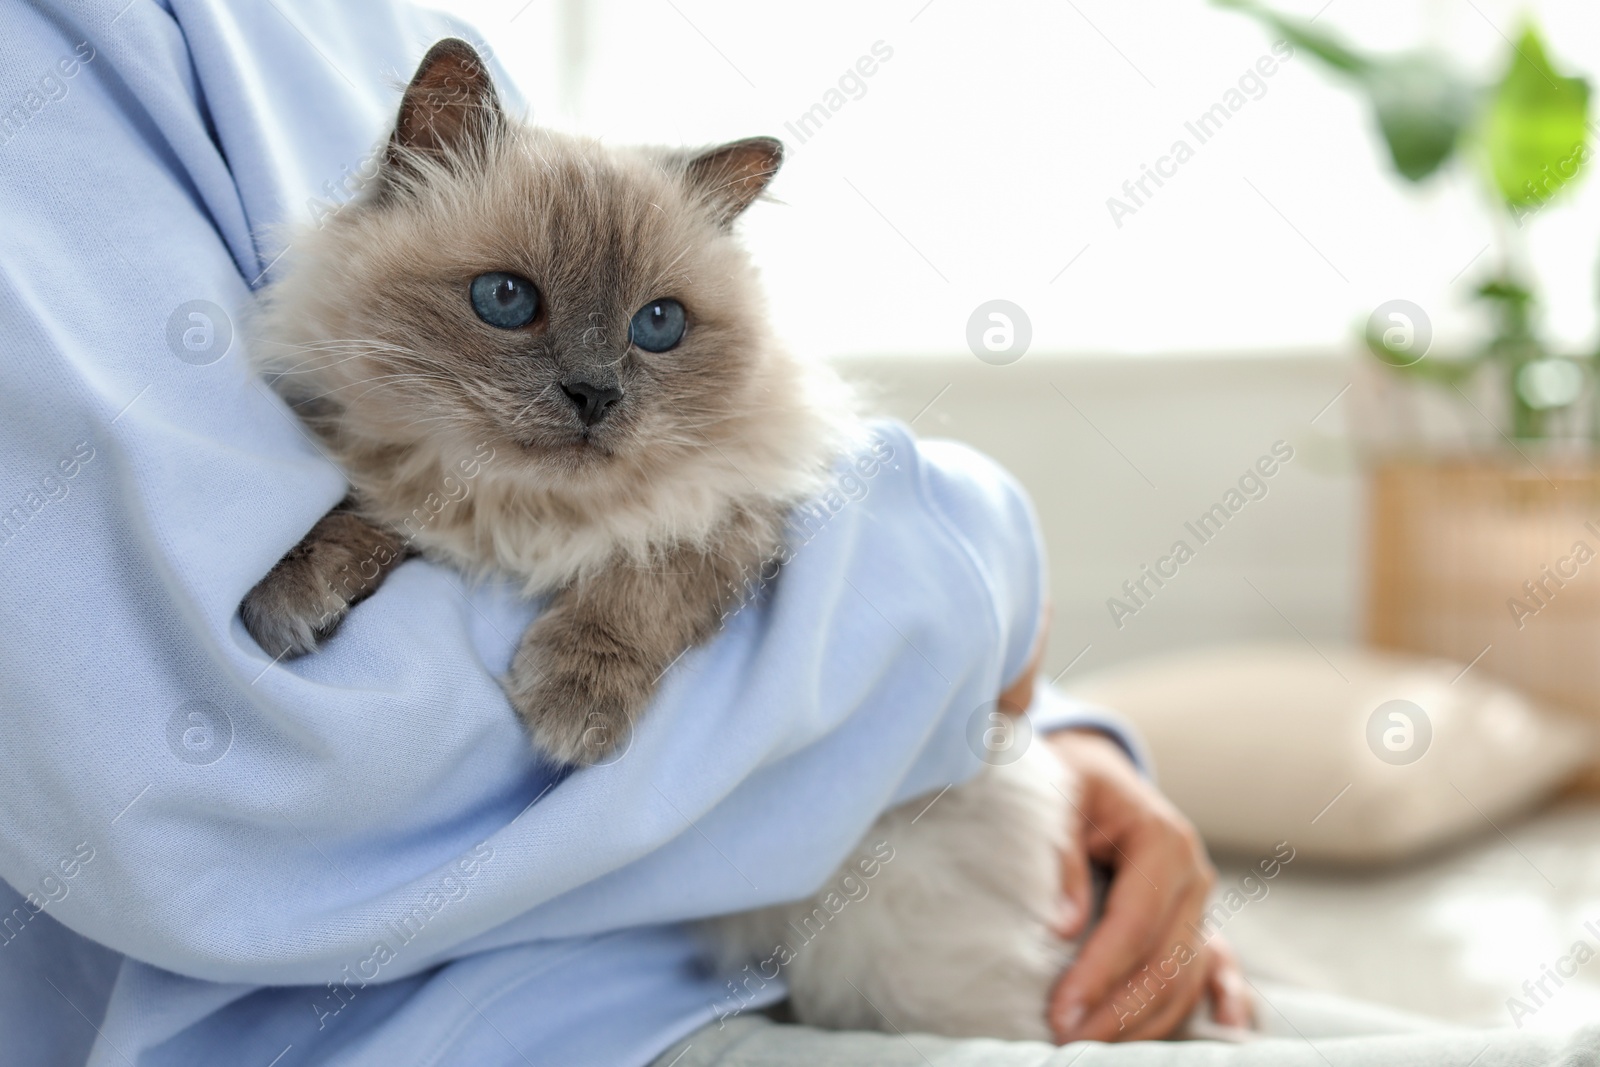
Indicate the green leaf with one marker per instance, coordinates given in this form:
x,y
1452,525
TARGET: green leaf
x,y
1535,133
1422,106
1325,46
1511,294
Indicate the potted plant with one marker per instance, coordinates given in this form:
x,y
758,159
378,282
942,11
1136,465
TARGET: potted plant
x,y
1489,555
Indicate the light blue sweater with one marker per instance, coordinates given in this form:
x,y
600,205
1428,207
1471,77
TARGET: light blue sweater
x,y
355,858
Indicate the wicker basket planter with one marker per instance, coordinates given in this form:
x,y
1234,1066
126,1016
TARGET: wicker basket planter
x,y
1492,562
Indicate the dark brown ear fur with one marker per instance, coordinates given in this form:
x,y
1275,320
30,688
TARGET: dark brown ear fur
x,y
450,109
731,176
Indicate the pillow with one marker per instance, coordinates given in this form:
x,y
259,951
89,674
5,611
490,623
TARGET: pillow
x,y
1362,757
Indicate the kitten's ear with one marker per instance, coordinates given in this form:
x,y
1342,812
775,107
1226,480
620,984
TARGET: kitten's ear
x,y
731,176
449,109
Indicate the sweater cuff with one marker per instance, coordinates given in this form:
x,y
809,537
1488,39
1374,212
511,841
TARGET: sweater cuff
x,y
1053,710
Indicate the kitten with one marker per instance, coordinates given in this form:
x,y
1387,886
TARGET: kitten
x,y
574,329
583,315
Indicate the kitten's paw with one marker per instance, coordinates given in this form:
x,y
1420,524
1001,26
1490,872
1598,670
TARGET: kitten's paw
x,y
578,733
579,703
293,608
307,594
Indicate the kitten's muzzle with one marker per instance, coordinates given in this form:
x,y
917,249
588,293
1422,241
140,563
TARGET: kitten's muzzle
x,y
592,401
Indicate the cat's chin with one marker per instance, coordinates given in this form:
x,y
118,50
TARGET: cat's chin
x,y
577,451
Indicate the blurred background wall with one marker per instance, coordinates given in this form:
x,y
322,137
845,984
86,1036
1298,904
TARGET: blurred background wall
x,y
1120,454
1282,232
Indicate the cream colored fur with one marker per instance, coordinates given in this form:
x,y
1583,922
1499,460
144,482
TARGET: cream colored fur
x,y
953,935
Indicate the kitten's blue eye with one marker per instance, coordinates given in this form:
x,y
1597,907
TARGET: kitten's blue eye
x,y
657,326
504,300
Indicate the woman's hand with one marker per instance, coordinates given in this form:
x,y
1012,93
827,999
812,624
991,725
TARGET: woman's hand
x,y
1149,933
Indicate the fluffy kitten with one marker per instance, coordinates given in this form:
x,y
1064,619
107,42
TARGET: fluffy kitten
x,y
583,315
574,329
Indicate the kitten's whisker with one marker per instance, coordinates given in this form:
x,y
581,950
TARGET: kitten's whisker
x,y
303,367
447,417
352,402
361,346
540,395
385,379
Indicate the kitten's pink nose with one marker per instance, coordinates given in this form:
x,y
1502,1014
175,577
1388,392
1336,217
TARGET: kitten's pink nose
x,y
592,401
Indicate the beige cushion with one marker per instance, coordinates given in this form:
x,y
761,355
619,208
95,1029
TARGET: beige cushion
x,y
1255,742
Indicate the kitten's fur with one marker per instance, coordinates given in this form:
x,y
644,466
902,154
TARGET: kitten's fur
x,y
642,529
953,935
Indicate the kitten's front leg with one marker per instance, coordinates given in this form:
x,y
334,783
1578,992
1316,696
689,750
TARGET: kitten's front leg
x,y
308,592
586,669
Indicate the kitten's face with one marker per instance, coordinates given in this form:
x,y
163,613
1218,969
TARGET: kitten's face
x,y
572,305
